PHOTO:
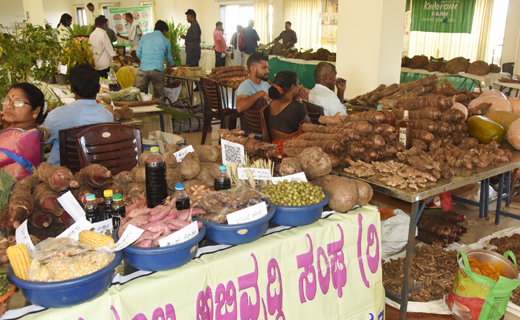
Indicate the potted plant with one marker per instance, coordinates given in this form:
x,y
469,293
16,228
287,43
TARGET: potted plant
x,y
174,35
76,50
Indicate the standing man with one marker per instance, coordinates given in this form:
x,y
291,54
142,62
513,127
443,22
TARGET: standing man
x,y
251,38
92,13
288,36
135,31
111,33
220,46
102,47
152,51
238,56
322,94
256,86
192,39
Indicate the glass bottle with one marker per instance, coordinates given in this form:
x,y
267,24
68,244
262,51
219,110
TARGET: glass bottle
x,y
405,131
156,186
118,210
222,182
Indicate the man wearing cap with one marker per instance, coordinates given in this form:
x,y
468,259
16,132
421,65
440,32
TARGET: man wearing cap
x,y
192,39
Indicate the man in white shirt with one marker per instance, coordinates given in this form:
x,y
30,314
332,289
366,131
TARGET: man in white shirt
x,y
135,34
322,94
102,48
92,13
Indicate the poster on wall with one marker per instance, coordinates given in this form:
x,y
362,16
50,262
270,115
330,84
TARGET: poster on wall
x,y
443,16
141,14
329,22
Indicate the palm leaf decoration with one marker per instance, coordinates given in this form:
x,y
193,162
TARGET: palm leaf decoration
x,y
6,182
178,115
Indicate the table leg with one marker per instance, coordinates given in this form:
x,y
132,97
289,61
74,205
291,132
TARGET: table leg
x,y
508,188
482,199
233,93
161,119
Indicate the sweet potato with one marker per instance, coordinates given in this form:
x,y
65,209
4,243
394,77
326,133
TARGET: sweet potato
x,y
343,192
315,162
365,192
207,153
190,166
290,165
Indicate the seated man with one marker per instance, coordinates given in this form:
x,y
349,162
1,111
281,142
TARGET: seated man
x,y
84,83
322,94
256,86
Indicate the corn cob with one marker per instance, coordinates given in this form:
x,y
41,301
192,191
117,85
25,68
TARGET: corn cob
x,y
20,261
96,240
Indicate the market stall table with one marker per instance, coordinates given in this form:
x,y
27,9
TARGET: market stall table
x,y
304,69
207,59
512,86
330,269
427,194
189,81
149,120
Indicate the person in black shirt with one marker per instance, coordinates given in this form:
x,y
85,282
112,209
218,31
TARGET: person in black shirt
x,y
288,36
192,39
285,113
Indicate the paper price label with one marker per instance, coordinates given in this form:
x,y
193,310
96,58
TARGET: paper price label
x,y
251,213
22,236
258,174
232,152
63,69
74,230
179,155
183,235
128,237
72,206
103,226
300,176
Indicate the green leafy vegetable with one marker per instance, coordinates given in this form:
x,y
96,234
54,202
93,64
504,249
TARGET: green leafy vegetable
x,y
6,182
178,115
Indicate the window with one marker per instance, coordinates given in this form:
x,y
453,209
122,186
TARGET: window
x,y
496,33
82,16
231,16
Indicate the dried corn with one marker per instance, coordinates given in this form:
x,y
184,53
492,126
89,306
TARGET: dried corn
x,y
96,240
19,259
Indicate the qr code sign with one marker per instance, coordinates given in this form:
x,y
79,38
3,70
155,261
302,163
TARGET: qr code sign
x,y
232,152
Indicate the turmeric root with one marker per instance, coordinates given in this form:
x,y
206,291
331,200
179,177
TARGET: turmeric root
x,y
341,138
329,146
422,135
57,177
252,146
48,199
351,134
94,175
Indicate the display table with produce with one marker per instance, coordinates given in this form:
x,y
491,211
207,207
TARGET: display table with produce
x,y
330,269
512,86
304,69
459,81
207,58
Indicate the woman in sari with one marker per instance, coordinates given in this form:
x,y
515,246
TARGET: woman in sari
x,y
20,141
285,113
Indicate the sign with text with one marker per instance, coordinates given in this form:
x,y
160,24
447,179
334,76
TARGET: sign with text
x,y
128,237
248,214
179,155
180,236
300,176
452,16
141,14
329,22
74,230
72,206
232,152
257,174
22,236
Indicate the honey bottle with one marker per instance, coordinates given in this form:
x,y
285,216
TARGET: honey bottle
x,y
405,131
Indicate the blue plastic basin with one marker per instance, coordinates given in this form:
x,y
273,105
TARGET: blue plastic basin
x,y
162,258
300,216
66,293
234,234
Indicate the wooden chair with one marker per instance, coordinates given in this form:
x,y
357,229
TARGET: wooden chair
x,y
254,120
214,109
313,111
69,156
114,146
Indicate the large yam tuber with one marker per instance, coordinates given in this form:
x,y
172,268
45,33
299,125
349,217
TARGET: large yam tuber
x,y
139,174
429,113
190,166
170,160
94,175
361,99
374,98
424,124
378,141
330,146
365,192
422,135
171,148
293,152
429,100
207,153
315,162
40,219
252,146
57,177
351,134
431,80
452,116
143,157
372,117
363,127
343,192
340,138
48,199
290,165
335,119
173,176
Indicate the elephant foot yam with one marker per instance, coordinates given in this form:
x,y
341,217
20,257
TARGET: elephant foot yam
x,y
190,166
365,192
171,148
290,165
170,160
206,175
207,153
143,157
343,192
315,162
173,176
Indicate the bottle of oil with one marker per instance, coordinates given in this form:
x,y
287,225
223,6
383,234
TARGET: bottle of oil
x,y
107,204
405,131
182,200
389,115
156,186
91,209
222,182
118,210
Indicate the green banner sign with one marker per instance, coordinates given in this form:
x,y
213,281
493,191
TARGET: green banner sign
x,y
141,14
444,16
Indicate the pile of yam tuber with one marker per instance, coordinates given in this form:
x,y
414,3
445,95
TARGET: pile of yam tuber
x,y
231,75
453,66
441,227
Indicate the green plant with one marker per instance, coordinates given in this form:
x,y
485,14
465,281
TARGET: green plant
x,y
174,34
81,31
21,52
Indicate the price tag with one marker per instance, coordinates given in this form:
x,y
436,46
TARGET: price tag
x,y
72,206
103,226
39,63
183,235
232,152
74,230
258,174
63,69
300,176
128,237
251,213
22,236
179,155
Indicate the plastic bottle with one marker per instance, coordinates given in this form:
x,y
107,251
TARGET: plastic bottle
x,y
389,115
223,182
112,80
118,210
107,204
405,131
182,200
91,209
156,186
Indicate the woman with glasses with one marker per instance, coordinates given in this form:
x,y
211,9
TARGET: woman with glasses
x,y
20,140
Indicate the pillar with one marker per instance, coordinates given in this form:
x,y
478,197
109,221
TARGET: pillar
x,y
33,12
369,43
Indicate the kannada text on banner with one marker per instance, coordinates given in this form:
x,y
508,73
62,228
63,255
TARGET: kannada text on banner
x,y
443,16
328,270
